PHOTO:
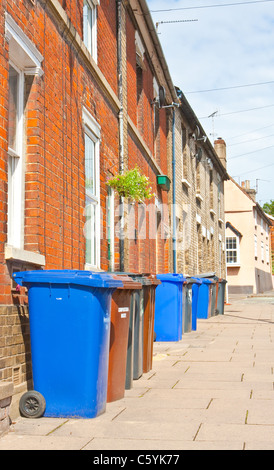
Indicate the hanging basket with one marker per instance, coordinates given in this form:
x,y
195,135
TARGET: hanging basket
x,y
133,185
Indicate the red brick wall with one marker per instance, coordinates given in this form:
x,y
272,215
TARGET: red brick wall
x,y
54,179
145,255
107,45
131,71
54,159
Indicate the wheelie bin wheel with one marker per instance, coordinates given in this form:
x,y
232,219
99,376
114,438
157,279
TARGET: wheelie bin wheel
x,y
32,404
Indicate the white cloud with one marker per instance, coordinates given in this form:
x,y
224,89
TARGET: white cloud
x,y
226,47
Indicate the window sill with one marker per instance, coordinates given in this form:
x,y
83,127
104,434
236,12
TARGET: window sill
x,y
186,183
231,265
199,197
16,254
89,267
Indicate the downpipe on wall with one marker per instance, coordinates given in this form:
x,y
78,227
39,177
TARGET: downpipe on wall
x,y
121,128
174,236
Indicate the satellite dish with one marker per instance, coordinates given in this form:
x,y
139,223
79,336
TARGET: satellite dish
x,y
196,133
162,96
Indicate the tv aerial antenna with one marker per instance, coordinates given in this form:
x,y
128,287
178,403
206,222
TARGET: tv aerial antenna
x,y
175,21
212,116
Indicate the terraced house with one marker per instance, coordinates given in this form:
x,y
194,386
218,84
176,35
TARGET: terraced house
x,y
86,94
199,175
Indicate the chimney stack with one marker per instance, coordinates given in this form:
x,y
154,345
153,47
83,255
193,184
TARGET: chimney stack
x,y
251,192
220,149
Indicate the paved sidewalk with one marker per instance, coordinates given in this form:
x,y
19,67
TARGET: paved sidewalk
x,y
212,390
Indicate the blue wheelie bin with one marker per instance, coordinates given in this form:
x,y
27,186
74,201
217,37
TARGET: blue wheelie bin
x,y
69,315
195,295
204,299
168,322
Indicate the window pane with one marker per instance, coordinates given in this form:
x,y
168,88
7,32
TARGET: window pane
x,y
13,106
231,256
89,165
110,227
231,243
87,26
91,210
90,233
231,250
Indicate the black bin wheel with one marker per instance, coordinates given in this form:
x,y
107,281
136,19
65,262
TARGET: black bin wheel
x,y
32,404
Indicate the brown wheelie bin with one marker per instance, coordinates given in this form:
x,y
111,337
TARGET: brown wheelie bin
x,y
119,329
149,314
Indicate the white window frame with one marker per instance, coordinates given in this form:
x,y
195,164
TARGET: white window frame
x,y
237,250
140,49
110,227
262,251
90,26
155,89
93,131
16,173
25,60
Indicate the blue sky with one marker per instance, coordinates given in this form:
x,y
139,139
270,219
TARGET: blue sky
x,y
228,46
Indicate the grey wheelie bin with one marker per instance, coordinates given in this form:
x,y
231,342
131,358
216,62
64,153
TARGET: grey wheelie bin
x,y
187,305
134,365
214,291
221,296
136,337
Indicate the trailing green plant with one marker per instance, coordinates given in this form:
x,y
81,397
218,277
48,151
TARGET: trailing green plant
x,y
132,184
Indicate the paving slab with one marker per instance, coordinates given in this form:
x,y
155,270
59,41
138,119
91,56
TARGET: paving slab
x,y
160,445
225,432
213,390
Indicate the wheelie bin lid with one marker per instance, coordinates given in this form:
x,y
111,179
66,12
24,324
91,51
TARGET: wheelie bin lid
x,y
172,277
207,275
72,277
211,276
141,278
152,279
128,282
193,280
204,280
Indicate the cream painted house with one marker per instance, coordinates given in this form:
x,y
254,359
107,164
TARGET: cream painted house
x,y
248,241
248,237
